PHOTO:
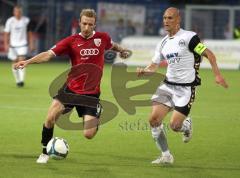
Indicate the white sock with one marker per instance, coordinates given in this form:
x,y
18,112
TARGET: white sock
x,y
16,75
185,126
21,73
166,153
160,138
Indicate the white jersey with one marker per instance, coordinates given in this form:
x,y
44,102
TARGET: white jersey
x,y
181,60
18,31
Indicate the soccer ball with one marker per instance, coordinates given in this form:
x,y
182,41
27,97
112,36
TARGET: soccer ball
x,y
57,148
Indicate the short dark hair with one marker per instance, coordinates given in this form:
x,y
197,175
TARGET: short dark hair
x,y
88,13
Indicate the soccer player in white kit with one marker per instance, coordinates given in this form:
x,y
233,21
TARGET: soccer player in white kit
x,y
17,34
183,50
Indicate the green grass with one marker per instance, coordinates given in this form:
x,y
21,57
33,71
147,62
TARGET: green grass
x,y
122,147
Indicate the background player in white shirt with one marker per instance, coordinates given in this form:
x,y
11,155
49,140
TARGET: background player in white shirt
x,y
16,37
183,50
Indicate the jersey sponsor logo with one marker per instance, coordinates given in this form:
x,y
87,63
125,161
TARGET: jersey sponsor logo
x,y
89,52
173,58
97,41
18,28
79,45
84,58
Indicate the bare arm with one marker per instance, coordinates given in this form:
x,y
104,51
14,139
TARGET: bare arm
x,y
41,57
149,70
6,40
124,53
212,59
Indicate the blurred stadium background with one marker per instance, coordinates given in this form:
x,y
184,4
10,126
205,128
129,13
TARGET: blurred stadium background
x,y
53,20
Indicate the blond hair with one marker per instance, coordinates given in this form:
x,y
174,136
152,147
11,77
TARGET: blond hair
x,y
88,13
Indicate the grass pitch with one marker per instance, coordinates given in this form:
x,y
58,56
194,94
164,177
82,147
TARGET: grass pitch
x,y
123,147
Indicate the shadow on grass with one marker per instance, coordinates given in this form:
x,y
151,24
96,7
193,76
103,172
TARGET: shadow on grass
x,y
201,167
143,161
17,155
109,159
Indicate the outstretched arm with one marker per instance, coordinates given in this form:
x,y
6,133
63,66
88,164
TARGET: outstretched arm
x,y
124,53
149,70
212,59
41,57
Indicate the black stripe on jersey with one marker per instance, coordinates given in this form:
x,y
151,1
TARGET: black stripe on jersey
x,y
197,61
193,43
197,58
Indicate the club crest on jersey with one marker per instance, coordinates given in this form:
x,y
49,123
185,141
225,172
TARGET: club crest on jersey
x,y
181,43
97,41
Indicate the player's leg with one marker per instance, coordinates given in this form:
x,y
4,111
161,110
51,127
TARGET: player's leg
x,y
91,118
21,55
53,114
181,123
159,111
15,55
162,104
21,72
12,55
176,122
90,126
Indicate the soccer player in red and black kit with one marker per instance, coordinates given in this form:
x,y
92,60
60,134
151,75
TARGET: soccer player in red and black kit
x,y
86,48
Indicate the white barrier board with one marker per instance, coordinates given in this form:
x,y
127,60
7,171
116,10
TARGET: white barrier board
x,y
227,51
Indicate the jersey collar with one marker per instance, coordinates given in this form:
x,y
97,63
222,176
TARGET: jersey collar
x,y
179,31
17,18
89,36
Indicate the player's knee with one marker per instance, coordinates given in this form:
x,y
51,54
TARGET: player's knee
x,y
51,119
175,126
89,134
154,121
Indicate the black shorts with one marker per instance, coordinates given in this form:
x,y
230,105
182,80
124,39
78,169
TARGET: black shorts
x,y
85,104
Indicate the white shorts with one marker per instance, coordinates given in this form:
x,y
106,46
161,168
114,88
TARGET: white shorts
x,y
15,52
179,98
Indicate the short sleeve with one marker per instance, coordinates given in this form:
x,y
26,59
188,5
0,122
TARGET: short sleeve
x,y
108,42
7,26
62,47
196,46
158,57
